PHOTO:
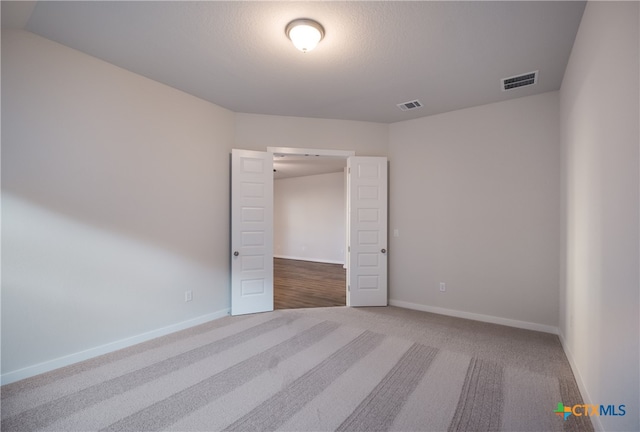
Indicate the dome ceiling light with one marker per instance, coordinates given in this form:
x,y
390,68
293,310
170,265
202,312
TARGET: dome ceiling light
x,y
304,33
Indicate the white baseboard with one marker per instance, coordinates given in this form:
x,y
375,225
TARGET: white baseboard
x,y
595,420
320,260
477,317
67,360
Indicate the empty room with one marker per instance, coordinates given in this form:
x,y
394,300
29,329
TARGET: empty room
x,y
487,229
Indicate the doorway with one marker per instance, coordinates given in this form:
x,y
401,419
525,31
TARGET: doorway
x,y
310,219
252,229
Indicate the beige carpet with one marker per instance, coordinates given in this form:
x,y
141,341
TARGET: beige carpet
x,y
347,369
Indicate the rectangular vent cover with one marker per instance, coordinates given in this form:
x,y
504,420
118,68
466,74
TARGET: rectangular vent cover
x,y
519,81
411,105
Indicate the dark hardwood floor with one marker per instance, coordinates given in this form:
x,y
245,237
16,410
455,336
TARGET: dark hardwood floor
x,y
304,284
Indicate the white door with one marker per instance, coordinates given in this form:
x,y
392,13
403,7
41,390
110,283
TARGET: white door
x,y
251,232
367,261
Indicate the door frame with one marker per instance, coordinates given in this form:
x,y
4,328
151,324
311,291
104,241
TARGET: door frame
x,y
343,154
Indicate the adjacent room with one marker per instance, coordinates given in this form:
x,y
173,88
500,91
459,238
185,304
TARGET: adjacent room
x,y
503,143
309,228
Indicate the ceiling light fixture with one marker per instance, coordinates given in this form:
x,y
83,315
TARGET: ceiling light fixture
x,y
304,33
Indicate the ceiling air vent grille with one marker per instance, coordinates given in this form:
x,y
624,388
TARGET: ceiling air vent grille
x,y
519,81
411,105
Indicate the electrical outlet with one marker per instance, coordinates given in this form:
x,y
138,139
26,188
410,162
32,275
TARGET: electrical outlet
x,y
188,296
443,287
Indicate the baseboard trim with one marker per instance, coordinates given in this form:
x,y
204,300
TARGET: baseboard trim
x,y
476,317
320,260
67,360
595,420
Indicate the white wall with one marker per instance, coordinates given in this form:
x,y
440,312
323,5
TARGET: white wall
x,y
114,202
309,218
599,295
475,197
257,132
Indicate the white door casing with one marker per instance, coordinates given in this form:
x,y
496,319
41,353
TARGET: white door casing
x,y
251,232
367,261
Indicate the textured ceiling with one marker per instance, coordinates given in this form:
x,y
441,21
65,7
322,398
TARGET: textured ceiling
x,y
449,55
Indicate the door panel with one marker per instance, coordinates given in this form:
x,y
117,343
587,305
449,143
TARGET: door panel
x,y
251,232
367,268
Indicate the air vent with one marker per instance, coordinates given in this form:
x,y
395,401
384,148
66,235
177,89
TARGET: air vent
x,y
519,81
411,105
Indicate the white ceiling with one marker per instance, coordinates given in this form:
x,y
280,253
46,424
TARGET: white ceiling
x,y
449,55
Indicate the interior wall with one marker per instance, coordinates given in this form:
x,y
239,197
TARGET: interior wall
x,y
599,295
474,195
257,132
112,187
309,218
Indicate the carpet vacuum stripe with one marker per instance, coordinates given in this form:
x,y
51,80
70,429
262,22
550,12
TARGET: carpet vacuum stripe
x,y
24,395
166,412
45,414
480,404
378,411
433,402
222,412
330,408
104,414
294,396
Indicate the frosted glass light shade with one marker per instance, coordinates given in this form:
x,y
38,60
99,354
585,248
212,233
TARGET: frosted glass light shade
x,y
305,34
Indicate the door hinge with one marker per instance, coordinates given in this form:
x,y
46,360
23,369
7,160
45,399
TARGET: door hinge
x,y
348,248
349,288
348,170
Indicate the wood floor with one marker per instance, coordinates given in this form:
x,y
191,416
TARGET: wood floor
x,y
304,284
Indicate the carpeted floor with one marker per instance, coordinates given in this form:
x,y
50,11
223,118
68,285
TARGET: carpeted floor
x,y
348,369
